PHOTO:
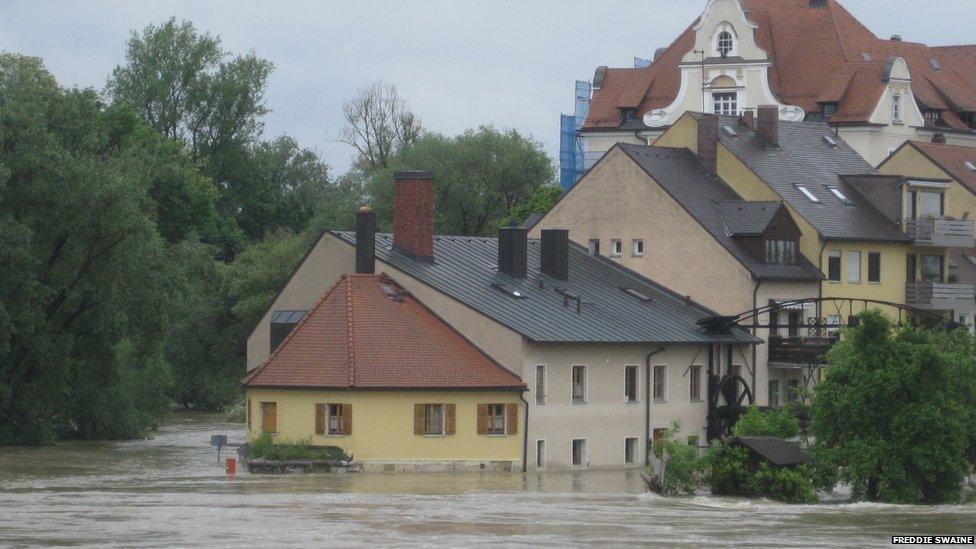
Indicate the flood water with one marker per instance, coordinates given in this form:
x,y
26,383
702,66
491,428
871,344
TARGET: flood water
x,y
170,490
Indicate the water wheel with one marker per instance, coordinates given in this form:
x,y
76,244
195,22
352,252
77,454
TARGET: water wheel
x,y
729,401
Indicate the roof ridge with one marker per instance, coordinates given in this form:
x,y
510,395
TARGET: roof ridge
x,y
350,336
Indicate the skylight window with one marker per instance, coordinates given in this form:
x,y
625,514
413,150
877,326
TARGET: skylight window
x,y
511,292
970,166
644,298
840,195
829,139
727,130
806,192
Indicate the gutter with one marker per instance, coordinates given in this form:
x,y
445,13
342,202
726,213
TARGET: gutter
x,y
647,404
525,433
755,330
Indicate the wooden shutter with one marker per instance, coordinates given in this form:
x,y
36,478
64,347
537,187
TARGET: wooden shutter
x,y
449,419
247,414
511,419
346,419
269,417
320,410
418,419
482,419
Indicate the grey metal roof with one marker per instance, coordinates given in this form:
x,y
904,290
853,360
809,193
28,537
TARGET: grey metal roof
x,y
775,450
678,172
747,218
805,158
465,268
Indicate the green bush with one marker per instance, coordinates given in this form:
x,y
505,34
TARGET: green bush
x,y
777,422
685,471
731,475
264,447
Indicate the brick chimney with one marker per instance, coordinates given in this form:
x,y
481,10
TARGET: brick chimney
x,y
767,125
748,118
413,214
554,255
513,251
939,138
708,143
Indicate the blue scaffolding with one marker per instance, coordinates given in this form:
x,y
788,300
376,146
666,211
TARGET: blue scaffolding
x,y
571,163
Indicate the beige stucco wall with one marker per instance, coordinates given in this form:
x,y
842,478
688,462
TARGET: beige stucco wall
x,y
909,162
618,200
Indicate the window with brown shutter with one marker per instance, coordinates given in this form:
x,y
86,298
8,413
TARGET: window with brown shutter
x,y
247,413
269,417
433,419
418,419
496,419
320,419
449,422
347,419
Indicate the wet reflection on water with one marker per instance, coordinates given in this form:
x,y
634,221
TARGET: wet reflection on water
x,y
171,491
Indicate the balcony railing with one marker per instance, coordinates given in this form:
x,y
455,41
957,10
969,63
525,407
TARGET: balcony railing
x,y
939,296
799,350
941,232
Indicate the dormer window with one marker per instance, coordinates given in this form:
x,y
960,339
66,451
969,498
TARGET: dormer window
x,y
725,43
781,251
629,115
829,109
933,116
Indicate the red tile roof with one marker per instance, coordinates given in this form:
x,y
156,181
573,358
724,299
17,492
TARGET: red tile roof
x,y
952,159
367,332
816,56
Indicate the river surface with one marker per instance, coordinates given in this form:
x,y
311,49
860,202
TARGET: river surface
x,y
170,491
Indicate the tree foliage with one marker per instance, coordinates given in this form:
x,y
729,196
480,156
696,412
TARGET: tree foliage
x,y
482,176
778,422
894,415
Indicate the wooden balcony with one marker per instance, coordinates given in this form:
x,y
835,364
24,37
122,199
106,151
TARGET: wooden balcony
x,y
938,296
799,350
942,233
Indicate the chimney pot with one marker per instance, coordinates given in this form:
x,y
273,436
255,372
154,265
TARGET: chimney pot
x,y
554,260
513,251
767,125
365,241
708,143
413,214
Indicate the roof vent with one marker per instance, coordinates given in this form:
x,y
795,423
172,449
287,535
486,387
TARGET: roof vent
x,y
935,64
865,56
896,38
829,139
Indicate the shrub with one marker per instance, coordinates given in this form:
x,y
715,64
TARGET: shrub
x,y
777,422
685,470
264,447
731,475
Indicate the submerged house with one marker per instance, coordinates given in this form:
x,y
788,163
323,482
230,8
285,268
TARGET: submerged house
x,y
372,370
609,357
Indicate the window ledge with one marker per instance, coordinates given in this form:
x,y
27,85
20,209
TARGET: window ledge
x,y
579,402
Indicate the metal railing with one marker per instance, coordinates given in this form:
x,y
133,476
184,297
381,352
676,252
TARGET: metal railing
x,y
799,350
940,295
954,233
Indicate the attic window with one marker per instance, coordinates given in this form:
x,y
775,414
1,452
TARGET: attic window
x,y
729,131
840,195
511,292
829,109
642,297
896,107
806,192
724,43
629,115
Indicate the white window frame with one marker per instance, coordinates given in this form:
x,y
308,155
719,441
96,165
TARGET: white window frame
x,y
691,379
637,247
867,270
664,384
443,430
543,396
583,460
854,266
630,460
840,260
897,108
840,195
718,42
774,383
594,246
726,101
572,397
616,247
541,457
636,370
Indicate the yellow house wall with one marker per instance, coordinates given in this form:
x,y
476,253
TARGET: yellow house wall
x,y
382,424
909,162
682,134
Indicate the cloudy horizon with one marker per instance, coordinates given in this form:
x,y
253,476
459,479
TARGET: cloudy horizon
x,y
459,64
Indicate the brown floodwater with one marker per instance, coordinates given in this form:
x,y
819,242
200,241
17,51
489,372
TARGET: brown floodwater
x,y
170,490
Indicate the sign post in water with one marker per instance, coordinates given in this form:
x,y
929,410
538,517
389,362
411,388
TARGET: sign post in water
x,y
219,441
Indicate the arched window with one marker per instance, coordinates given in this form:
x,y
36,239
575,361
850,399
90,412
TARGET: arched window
x,y
724,43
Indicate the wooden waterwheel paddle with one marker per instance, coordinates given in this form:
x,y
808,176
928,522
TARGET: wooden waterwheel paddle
x,y
737,396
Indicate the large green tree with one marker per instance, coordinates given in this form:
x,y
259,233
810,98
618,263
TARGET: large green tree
x,y
481,177
83,289
894,415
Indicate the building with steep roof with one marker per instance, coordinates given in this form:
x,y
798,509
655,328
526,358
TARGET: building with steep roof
x,y
421,392
811,58
609,357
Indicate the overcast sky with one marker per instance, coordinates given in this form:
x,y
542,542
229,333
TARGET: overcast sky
x,y
460,63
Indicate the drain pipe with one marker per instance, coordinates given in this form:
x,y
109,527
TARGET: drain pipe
x,y
647,404
525,432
